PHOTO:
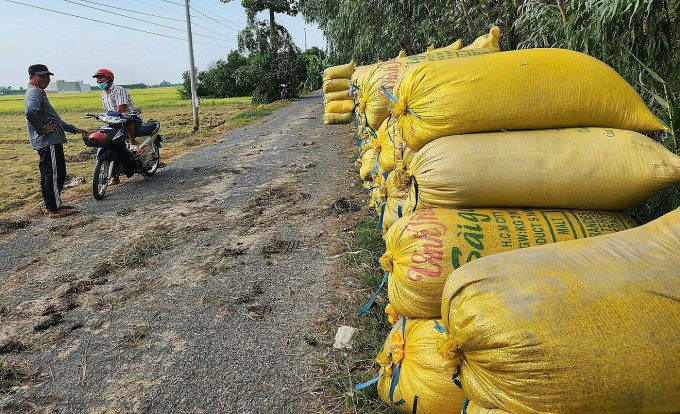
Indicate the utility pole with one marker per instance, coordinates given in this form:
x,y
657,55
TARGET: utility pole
x,y
305,38
192,70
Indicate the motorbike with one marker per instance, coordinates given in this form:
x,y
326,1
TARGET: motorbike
x,y
286,91
113,152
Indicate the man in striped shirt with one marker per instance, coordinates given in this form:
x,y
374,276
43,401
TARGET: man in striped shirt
x,y
116,98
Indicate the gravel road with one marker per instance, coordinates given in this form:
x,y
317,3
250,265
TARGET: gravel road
x,y
206,289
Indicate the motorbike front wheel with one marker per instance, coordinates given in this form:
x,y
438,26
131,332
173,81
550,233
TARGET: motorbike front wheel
x,y
100,180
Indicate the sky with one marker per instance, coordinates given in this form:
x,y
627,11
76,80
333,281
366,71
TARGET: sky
x,y
74,38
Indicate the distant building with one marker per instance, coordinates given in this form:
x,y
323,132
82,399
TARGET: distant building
x,y
62,86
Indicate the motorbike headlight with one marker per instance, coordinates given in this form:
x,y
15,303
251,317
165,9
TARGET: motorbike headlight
x,y
113,119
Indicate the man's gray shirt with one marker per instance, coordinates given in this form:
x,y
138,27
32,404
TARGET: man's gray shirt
x,y
39,112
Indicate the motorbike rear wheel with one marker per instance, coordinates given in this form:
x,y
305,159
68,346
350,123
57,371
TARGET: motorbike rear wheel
x,y
153,167
100,180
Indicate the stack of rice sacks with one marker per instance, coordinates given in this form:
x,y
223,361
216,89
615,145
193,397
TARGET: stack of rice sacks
x,y
372,89
337,100
513,244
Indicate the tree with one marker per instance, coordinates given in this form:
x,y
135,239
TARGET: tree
x,y
316,63
253,7
219,79
273,58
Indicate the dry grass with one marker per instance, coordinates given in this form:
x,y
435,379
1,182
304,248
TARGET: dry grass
x,y
343,369
20,188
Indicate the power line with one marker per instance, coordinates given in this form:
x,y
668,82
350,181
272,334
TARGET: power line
x,y
216,21
107,23
146,21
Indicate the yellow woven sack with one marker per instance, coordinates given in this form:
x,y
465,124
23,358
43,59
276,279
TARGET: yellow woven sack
x,y
334,119
336,96
474,408
373,100
587,168
357,77
410,357
490,40
424,247
339,107
389,140
369,165
583,326
339,71
386,158
394,199
519,89
335,85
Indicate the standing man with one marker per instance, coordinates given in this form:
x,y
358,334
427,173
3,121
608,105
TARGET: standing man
x,y
47,136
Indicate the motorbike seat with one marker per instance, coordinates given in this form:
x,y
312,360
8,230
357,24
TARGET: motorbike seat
x,y
147,128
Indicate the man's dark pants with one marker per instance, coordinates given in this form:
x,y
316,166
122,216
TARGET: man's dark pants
x,y
52,175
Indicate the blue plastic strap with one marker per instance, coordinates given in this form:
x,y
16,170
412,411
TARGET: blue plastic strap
x,y
465,406
455,379
389,94
439,327
372,132
394,98
397,370
382,214
363,385
367,306
400,213
393,385
375,166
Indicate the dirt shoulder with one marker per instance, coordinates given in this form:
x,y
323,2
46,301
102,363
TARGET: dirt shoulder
x,y
206,289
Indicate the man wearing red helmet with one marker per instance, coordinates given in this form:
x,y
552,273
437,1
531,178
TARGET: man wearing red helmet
x,y
116,98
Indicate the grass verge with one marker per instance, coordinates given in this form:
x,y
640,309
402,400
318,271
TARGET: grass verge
x,y
349,367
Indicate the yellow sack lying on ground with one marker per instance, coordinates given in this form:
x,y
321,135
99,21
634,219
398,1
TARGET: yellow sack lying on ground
x,y
339,107
394,199
424,247
369,165
595,168
372,99
333,119
583,326
519,89
336,96
410,357
334,85
339,71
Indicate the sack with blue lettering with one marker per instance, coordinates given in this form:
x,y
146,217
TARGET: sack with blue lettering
x,y
424,247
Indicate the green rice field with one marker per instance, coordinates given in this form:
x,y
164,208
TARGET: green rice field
x,y
20,188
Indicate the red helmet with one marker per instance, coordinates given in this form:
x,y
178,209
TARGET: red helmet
x,y
104,72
